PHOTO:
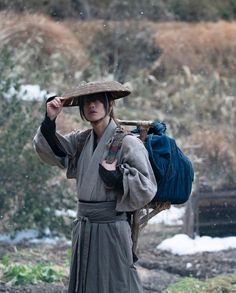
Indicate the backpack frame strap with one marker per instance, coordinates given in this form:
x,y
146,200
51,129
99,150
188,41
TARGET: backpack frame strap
x,y
115,144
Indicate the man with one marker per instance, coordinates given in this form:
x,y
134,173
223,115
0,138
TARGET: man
x,y
102,259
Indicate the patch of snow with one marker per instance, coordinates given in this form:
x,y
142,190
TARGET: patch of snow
x,y
188,265
50,241
67,213
19,236
182,244
31,92
31,236
28,92
169,217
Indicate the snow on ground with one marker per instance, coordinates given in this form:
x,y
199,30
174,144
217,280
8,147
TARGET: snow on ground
x,y
171,217
182,244
67,213
28,92
19,236
32,236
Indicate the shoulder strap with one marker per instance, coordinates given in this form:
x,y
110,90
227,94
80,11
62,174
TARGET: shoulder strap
x,y
116,143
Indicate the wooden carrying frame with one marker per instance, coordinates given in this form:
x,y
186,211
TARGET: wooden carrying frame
x,y
139,218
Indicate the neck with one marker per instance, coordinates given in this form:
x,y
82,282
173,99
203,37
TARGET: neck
x,y
100,126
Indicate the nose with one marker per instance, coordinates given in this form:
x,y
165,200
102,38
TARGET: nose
x,y
91,104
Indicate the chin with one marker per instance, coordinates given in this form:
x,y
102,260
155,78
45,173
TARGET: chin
x,y
94,120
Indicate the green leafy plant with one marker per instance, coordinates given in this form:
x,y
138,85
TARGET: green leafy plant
x,y
22,274
219,284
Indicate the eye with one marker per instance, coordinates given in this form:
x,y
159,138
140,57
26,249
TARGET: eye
x,y
91,100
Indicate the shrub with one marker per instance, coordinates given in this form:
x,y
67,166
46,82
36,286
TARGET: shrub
x,y
28,196
44,52
203,47
185,10
112,50
217,154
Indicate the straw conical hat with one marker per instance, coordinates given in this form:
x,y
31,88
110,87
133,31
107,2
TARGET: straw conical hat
x,y
116,90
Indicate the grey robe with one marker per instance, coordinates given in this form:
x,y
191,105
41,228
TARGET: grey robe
x,y
106,263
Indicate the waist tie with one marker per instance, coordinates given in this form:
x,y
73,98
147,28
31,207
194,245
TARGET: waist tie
x,y
87,214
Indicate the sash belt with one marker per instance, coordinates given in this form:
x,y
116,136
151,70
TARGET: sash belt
x,y
87,214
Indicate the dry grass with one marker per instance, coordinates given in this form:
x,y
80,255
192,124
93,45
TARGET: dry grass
x,y
203,47
217,158
44,51
40,31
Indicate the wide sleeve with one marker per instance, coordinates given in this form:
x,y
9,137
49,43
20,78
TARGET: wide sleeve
x,y
139,183
68,143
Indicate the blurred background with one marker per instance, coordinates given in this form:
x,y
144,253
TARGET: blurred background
x,y
178,58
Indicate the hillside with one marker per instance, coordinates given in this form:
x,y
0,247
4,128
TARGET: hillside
x,y
179,72
204,48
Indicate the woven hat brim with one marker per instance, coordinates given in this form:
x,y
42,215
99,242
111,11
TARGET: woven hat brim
x,y
115,89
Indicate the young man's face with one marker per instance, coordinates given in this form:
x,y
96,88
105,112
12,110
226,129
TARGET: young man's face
x,y
94,109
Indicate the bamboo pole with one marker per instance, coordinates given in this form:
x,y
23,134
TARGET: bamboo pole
x,y
136,123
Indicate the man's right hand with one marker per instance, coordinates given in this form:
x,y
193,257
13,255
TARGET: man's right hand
x,y
54,107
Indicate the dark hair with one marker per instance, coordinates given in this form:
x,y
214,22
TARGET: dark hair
x,y
104,98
